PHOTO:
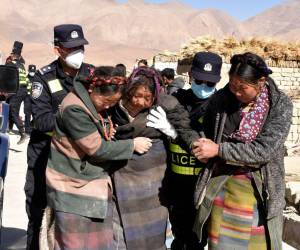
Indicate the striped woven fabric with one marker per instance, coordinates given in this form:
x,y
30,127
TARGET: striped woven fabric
x,y
75,232
235,222
137,188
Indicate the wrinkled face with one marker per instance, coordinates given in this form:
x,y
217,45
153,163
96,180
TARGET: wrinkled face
x,y
244,91
102,102
141,99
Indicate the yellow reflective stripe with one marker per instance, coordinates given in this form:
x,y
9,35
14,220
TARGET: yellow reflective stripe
x,y
49,133
200,120
176,149
185,170
22,77
22,80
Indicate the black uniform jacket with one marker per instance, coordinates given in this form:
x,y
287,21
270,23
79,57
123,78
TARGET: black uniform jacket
x,y
50,86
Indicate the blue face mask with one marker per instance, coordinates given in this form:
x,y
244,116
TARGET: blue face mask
x,y
202,91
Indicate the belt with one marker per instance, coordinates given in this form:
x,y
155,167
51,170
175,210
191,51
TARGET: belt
x,y
185,170
50,133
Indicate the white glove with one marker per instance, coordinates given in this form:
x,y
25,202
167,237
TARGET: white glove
x,y
158,119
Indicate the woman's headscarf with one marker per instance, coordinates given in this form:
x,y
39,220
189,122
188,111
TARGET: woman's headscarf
x,y
149,73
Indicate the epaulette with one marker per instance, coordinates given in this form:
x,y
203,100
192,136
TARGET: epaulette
x,y
46,69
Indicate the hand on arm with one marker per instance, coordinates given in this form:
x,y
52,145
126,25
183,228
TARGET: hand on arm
x,y
204,149
142,144
158,119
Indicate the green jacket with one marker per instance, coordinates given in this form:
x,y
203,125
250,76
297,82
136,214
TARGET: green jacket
x,y
77,179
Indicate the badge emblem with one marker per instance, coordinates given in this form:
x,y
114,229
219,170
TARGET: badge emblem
x,y
55,86
74,34
208,67
37,89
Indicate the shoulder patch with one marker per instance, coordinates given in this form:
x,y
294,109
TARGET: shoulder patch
x,y
55,86
46,69
37,89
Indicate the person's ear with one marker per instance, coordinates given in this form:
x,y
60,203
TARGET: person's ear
x,y
261,82
58,51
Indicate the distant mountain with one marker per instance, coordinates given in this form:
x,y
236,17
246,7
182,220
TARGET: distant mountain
x,y
123,32
281,21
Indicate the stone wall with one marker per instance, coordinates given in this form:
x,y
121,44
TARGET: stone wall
x,y
294,135
287,78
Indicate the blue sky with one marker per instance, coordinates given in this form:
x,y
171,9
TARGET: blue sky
x,y
239,9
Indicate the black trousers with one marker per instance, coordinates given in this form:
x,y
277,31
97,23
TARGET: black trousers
x,y
27,112
182,212
15,104
35,186
11,123
35,204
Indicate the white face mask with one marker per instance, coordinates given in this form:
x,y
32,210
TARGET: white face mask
x,y
75,59
31,73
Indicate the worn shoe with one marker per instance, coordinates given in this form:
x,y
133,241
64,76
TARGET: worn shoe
x,y
22,139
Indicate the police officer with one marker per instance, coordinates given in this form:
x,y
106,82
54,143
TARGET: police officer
x,y
15,59
205,72
31,74
27,99
50,85
183,168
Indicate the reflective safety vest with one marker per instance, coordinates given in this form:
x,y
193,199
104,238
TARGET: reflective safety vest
x,y
23,80
182,162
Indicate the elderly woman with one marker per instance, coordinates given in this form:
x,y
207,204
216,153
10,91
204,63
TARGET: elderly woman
x,y
246,125
79,189
138,182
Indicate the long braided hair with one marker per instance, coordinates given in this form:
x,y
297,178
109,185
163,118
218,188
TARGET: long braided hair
x,y
249,66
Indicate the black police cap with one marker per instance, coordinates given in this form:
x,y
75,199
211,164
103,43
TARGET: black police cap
x,y
69,36
17,48
207,66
